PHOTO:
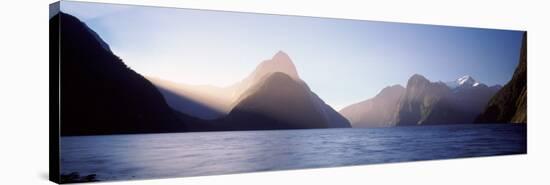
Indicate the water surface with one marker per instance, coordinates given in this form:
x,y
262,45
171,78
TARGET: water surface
x,y
118,157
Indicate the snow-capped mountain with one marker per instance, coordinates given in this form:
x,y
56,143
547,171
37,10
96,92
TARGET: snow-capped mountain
x,y
465,81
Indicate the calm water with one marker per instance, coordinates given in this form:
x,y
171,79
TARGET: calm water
x,y
209,153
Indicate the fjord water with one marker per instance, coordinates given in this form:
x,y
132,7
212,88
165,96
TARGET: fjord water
x,y
141,156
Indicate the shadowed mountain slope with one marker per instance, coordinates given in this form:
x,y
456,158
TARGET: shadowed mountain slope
x,y
99,93
276,102
509,105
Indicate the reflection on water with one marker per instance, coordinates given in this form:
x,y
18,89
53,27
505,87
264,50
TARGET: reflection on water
x,y
209,153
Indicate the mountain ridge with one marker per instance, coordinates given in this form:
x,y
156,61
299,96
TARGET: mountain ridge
x,y
422,102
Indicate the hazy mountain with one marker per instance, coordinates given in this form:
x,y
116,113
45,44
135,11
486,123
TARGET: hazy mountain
x,y
510,103
378,111
211,102
275,91
419,99
272,97
280,62
99,93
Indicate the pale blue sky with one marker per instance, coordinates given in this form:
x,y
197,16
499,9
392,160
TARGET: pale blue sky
x,y
343,61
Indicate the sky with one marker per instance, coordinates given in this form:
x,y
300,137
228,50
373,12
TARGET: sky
x,y
343,61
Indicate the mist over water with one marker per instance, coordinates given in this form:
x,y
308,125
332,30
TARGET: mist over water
x,y
142,156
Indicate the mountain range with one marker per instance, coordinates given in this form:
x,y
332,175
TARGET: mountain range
x,y
464,100
422,102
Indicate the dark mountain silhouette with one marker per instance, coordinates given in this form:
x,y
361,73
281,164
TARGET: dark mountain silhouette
x,y
100,94
509,105
277,102
378,111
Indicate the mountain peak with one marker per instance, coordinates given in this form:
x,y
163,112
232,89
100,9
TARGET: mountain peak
x,y
277,102
281,58
466,80
281,55
418,76
417,79
75,23
280,62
